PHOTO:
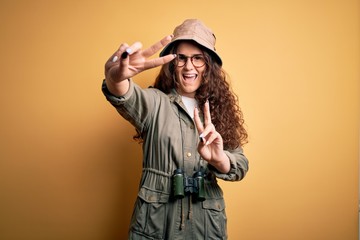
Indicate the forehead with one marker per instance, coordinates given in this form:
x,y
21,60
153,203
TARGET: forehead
x,y
188,47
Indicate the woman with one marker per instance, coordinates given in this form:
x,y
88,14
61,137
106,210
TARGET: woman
x,y
191,129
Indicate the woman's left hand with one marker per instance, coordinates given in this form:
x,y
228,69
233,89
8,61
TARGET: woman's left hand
x,y
211,146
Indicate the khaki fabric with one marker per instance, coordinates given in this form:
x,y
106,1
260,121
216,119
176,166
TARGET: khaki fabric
x,y
170,142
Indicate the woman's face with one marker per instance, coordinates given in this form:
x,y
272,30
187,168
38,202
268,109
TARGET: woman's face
x,y
189,76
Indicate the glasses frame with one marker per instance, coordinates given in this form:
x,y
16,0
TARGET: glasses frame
x,y
177,62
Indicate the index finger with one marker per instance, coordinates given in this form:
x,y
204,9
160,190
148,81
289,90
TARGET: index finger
x,y
207,115
157,46
158,61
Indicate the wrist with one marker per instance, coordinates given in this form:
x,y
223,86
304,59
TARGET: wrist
x,y
221,163
117,89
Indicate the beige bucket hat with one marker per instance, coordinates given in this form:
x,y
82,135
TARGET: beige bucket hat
x,y
194,29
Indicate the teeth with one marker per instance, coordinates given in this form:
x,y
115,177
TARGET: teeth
x,y
189,75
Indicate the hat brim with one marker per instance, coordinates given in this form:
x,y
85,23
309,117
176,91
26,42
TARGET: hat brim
x,y
166,50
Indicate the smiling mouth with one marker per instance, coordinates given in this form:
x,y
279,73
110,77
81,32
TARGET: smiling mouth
x,y
189,77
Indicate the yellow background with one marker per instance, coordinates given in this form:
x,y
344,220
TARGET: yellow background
x,y
70,170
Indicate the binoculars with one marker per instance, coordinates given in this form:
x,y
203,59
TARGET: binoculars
x,y
183,184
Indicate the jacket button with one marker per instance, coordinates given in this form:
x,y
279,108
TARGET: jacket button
x,y
188,154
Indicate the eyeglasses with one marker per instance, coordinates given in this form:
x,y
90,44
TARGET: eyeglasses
x,y
197,60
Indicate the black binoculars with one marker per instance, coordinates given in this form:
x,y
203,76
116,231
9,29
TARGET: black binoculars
x,y
194,185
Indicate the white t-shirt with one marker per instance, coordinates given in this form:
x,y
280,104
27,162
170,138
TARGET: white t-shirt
x,y
190,104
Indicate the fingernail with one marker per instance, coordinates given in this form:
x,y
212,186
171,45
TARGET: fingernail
x,y
124,55
115,59
128,50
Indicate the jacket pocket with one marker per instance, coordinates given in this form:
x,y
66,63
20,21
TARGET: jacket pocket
x,y
153,196
215,218
149,215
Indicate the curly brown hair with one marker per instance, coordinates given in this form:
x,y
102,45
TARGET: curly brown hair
x,y
226,114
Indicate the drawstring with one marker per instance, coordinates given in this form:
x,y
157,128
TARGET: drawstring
x,y
190,208
182,225
190,212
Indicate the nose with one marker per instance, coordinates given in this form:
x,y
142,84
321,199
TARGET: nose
x,y
188,64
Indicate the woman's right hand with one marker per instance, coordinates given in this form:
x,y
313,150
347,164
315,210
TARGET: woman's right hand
x,y
128,61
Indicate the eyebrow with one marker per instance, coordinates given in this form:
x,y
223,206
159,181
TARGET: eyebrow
x,y
198,54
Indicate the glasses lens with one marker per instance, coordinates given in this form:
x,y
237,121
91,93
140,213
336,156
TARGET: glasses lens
x,y
196,60
181,60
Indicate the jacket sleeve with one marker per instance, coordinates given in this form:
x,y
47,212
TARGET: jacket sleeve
x,y
136,105
239,165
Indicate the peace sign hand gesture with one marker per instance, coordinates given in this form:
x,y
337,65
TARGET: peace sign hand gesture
x,y
128,61
211,144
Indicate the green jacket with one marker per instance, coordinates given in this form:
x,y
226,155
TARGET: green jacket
x,y
170,142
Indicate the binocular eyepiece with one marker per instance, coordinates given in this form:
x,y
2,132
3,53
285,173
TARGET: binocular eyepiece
x,y
194,185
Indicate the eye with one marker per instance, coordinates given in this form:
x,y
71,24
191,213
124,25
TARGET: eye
x,y
198,57
182,57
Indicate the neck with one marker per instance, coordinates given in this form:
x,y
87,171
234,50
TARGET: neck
x,y
189,95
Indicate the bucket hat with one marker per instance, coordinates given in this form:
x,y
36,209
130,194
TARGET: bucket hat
x,y
194,29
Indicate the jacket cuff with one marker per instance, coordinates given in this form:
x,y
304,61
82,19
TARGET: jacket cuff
x,y
237,171
117,100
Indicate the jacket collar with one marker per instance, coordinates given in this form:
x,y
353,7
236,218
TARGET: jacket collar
x,y
175,97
